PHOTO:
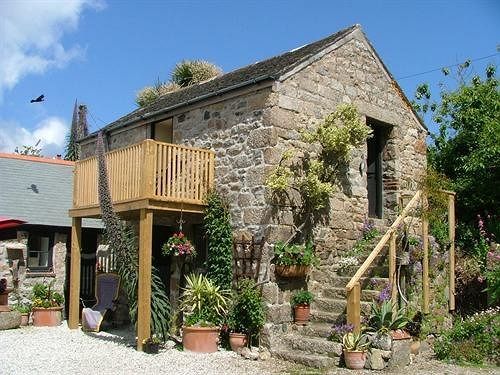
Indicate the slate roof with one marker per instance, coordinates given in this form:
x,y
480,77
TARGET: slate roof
x,y
38,191
264,70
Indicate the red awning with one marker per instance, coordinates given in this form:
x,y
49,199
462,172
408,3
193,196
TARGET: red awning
x,y
6,223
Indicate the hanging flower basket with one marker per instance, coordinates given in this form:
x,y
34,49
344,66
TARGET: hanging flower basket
x,y
178,245
292,271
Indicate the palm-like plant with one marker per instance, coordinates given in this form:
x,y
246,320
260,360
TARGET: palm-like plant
x,y
383,319
203,302
353,341
190,72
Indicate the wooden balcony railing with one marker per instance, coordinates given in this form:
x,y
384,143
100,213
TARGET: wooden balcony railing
x,y
148,170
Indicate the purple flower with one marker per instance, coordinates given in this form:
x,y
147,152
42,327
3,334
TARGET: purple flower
x,y
385,294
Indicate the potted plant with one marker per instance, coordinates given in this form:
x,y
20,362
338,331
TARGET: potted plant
x,y
384,320
354,345
25,310
294,260
46,305
4,295
301,302
246,315
178,245
204,305
151,345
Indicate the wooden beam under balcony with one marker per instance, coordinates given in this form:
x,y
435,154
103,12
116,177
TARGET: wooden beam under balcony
x,y
148,175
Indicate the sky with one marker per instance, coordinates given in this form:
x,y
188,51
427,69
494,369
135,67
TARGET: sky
x,y
101,52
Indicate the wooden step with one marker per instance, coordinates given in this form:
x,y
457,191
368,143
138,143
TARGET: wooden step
x,y
304,358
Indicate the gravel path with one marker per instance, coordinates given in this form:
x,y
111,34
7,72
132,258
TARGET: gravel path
x,y
40,350
43,350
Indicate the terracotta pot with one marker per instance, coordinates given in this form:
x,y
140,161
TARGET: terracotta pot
x,y
200,339
25,317
354,360
301,314
292,271
400,334
4,301
49,317
237,341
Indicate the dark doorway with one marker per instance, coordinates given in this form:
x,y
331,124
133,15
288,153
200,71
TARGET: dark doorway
x,y
374,172
162,262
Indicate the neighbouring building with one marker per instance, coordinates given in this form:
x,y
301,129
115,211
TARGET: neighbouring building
x,y
248,118
35,230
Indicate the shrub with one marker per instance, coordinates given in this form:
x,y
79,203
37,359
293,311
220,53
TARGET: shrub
x,y
190,72
44,296
149,94
217,221
247,313
382,318
288,255
474,340
302,297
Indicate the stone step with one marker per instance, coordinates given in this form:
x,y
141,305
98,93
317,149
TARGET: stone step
x,y
307,359
314,329
340,293
315,345
336,305
320,316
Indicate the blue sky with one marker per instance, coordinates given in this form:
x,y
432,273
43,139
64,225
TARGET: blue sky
x,y
102,52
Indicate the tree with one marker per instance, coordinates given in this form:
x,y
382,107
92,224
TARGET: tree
x,y
467,146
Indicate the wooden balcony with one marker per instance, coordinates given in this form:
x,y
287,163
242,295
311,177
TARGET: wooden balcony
x,y
147,175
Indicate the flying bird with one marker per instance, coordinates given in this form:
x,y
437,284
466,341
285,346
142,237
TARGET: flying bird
x,y
38,100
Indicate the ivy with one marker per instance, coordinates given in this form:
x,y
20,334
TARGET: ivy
x,y
217,221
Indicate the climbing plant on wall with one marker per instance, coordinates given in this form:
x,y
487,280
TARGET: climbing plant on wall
x,y
217,221
315,175
123,242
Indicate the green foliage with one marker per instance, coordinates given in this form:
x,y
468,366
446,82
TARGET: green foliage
x,y
190,72
315,177
29,150
149,94
293,254
302,297
247,313
43,295
467,147
382,318
353,341
493,276
217,222
474,340
23,308
203,302
123,242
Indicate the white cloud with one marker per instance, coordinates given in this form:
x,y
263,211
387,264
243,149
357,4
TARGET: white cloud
x,y
30,36
51,132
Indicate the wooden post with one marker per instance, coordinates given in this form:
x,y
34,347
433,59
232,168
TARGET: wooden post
x,y
392,271
353,307
144,287
148,169
451,230
425,261
74,287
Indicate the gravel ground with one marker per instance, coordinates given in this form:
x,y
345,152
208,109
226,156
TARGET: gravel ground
x,y
44,350
40,350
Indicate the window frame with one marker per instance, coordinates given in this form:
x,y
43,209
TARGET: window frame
x,y
50,253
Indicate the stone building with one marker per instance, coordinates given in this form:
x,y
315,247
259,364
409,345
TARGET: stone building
x,y
250,116
35,195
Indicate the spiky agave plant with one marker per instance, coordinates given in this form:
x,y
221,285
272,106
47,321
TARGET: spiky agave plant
x,y
149,94
190,72
123,243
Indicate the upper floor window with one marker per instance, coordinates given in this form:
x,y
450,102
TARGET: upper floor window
x,y
162,131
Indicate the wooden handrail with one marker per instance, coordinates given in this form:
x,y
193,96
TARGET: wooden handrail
x,y
383,241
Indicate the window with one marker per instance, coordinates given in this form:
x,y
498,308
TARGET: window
x,y
374,173
162,131
40,251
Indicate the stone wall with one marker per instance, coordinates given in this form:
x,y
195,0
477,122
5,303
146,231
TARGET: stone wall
x,y
349,74
16,248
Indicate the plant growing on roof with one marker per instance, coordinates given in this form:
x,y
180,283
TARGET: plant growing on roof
x,y
190,72
123,243
218,229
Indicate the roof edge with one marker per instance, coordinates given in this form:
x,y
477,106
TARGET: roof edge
x,y
37,159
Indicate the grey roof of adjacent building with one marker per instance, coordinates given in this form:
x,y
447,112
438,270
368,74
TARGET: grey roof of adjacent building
x,y
38,192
